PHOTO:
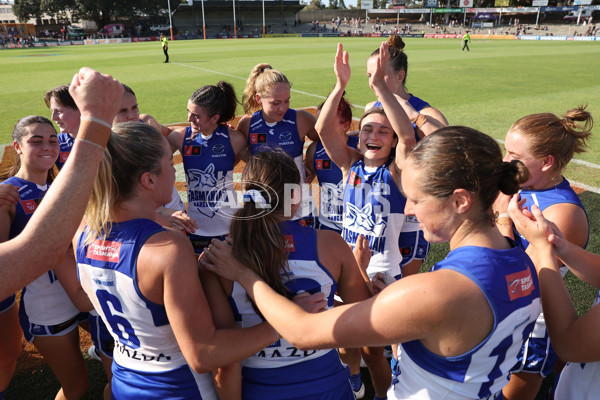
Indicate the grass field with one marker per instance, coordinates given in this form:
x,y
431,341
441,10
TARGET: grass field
x,y
487,88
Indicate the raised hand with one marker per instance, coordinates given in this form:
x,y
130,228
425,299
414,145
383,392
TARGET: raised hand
x,y
341,67
96,95
377,79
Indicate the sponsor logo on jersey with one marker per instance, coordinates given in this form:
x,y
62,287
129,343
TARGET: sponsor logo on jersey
x,y
411,219
354,180
29,206
323,164
285,136
406,251
519,284
289,243
257,138
104,250
192,150
218,149
63,156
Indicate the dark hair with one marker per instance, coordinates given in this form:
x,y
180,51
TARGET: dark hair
x,y
128,89
549,134
62,95
398,59
217,99
257,239
458,157
344,109
20,130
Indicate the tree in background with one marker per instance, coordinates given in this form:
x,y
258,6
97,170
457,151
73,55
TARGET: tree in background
x,y
102,12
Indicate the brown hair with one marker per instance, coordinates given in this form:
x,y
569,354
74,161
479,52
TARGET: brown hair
x,y
344,110
398,59
261,80
257,239
217,99
458,157
62,95
549,134
20,130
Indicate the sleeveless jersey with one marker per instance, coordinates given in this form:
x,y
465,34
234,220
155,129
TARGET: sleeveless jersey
x,y
43,301
374,207
208,163
65,142
263,135
314,370
331,182
148,362
544,198
579,380
417,103
509,282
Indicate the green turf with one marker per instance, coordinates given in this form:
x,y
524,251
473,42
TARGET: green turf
x,y
487,88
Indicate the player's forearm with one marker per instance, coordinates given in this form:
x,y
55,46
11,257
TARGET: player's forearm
x,y
53,225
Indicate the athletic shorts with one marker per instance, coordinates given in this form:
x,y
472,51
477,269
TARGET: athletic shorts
x,y
326,228
31,330
413,246
201,242
536,356
7,303
323,378
100,334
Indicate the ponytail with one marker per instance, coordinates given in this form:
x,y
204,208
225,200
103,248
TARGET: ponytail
x,y
261,80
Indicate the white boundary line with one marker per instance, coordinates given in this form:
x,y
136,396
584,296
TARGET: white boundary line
x,y
244,79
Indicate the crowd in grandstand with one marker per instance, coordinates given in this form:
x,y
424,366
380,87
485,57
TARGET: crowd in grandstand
x,y
253,292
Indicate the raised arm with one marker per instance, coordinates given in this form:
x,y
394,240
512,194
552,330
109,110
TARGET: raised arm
x,y
392,107
573,338
334,144
98,97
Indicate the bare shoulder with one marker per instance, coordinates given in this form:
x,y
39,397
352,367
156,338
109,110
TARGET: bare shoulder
x,y
435,113
166,249
244,124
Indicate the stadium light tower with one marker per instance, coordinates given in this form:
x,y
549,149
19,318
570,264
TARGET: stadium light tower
x,y
234,24
170,22
264,28
203,23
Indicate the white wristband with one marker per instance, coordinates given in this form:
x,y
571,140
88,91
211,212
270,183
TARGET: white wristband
x,y
92,143
504,215
98,121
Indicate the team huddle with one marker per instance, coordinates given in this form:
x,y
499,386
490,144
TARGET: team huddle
x,y
271,297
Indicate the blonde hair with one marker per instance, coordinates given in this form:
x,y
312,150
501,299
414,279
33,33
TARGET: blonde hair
x,y
133,149
261,81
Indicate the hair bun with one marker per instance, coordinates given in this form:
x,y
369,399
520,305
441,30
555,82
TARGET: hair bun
x,y
514,173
